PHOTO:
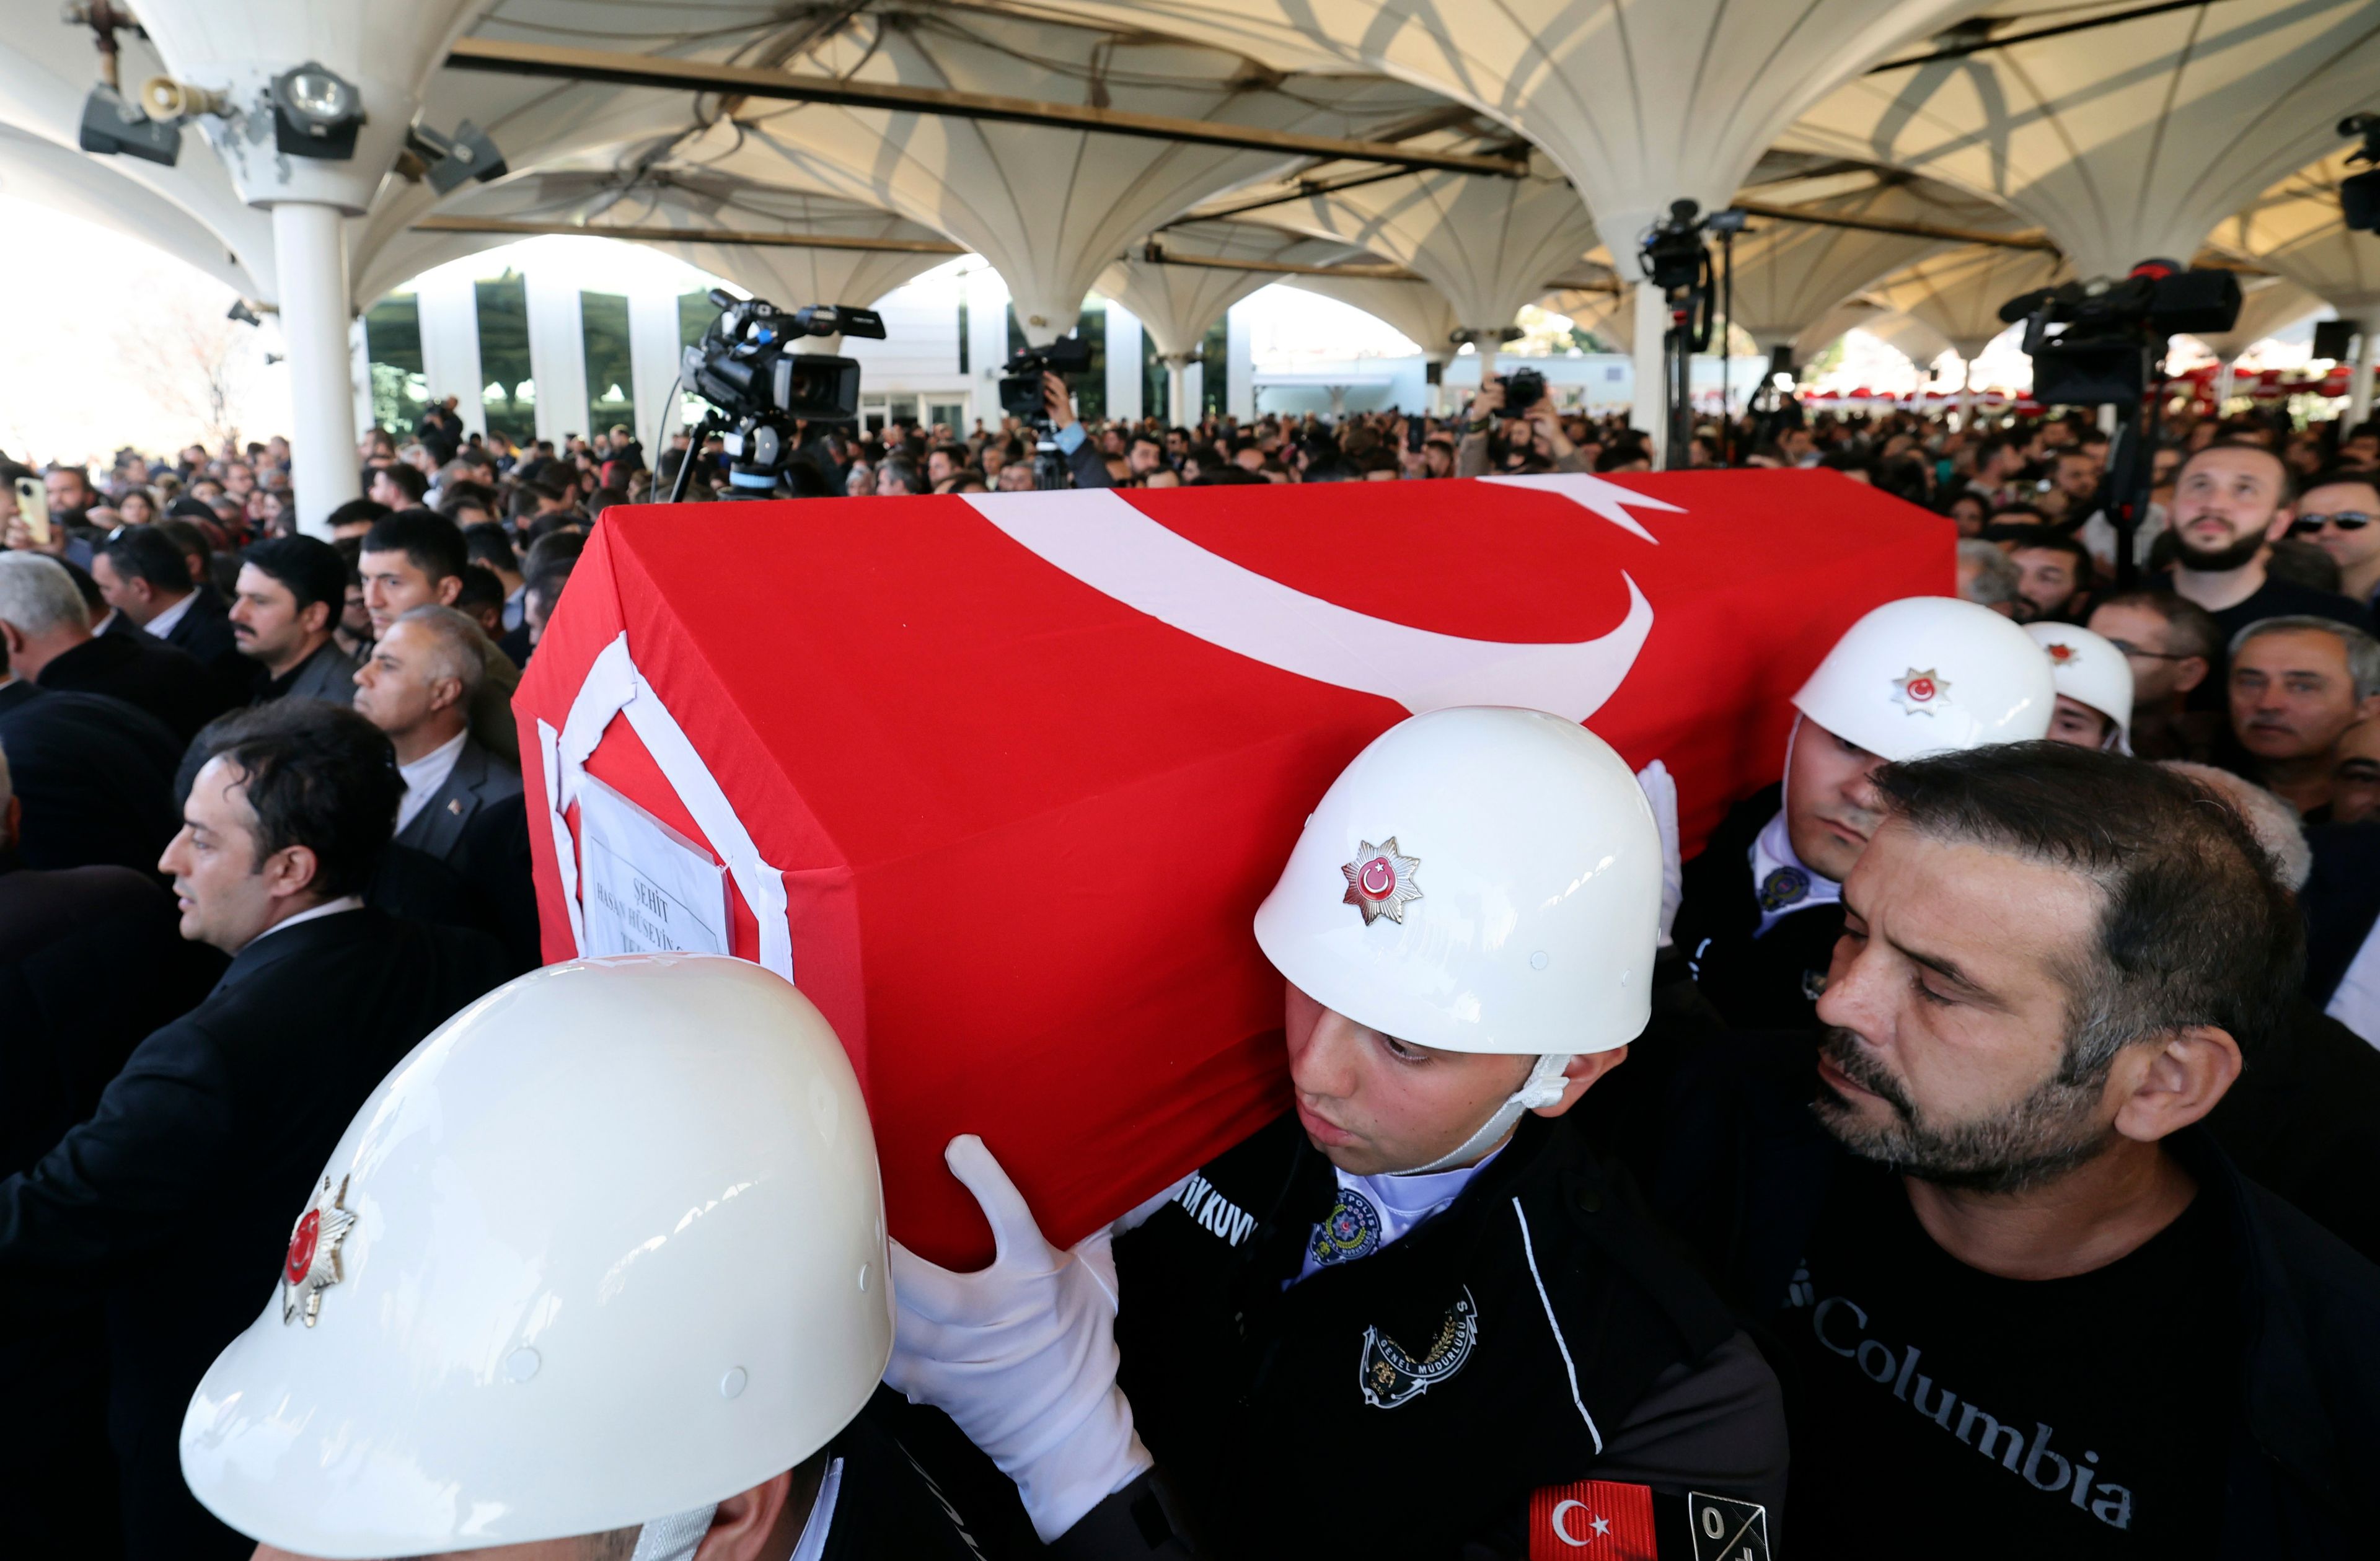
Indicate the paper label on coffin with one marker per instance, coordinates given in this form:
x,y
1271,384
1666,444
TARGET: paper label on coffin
x,y
644,888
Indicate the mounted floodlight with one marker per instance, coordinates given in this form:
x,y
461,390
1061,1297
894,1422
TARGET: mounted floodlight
x,y
241,312
449,160
110,125
2358,196
316,113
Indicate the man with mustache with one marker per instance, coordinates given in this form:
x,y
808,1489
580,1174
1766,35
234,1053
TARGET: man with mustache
x,y
1762,909
2025,1304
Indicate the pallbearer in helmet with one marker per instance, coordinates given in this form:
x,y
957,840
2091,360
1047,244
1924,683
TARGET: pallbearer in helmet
x,y
1413,1314
598,1272
1763,904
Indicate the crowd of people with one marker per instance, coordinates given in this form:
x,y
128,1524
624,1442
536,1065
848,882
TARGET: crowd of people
x,y
1973,1150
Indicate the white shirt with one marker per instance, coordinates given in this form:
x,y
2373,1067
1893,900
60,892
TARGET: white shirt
x,y
425,775
812,1545
99,624
328,908
516,605
1379,1209
2356,1003
1781,880
162,625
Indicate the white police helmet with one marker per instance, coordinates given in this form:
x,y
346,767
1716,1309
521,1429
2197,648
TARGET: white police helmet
x,y
1931,674
607,1247
2093,672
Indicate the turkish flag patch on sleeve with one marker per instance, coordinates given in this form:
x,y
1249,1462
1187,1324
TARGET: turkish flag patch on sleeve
x,y
1592,1520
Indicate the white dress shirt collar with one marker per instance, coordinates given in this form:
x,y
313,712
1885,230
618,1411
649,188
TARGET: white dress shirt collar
x,y
162,625
425,775
328,908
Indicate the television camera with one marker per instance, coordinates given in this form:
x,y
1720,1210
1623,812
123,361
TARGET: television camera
x,y
759,386
1676,259
2102,343
1022,397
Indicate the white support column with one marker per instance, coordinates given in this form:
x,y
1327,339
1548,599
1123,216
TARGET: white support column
x,y
449,303
1192,405
2358,390
1177,391
1239,383
310,253
653,353
2223,377
557,356
987,297
1648,408
360,390
1123,362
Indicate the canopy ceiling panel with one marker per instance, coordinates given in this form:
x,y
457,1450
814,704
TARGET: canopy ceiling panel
x,y
2132,141
2295,229
1415,308
1959,293
1489,245
1639,102
1049,207
1178,303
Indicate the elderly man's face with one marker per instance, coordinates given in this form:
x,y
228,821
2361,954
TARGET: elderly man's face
x,y
398,687
2291,694
1947,1014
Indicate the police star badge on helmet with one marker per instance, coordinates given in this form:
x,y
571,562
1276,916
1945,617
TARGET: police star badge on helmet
x,y
1930,675
2090,670
1506,870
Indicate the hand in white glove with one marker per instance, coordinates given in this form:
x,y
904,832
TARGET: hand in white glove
x,y
1661,790
1022,1355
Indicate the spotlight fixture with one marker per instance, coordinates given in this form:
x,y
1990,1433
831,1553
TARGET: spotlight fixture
x,y
448,161
316,113
240,311
110,126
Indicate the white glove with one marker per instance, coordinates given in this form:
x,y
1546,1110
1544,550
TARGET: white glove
x,y
1022,1355
1661,790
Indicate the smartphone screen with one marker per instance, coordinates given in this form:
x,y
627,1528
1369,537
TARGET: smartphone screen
x,y
33,503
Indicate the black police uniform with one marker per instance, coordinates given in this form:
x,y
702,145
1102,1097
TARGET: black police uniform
x,y
1757,981
1409,1402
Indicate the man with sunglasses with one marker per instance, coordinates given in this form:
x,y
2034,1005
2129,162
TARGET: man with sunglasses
x,y
2340,513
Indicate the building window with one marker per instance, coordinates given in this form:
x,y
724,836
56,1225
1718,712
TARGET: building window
x,y
508,397
611,362
1156,391
1214,386
393,346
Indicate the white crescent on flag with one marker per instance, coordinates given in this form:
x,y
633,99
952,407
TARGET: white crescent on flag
x,y
1095,535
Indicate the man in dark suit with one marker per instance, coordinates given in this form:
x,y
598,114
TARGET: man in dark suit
x,y
92,777
147,579
46,629
181,1187
66,940
418,685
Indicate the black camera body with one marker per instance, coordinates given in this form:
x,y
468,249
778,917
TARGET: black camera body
x,y
746,365
758,386
1524,388
1020,386
2095,343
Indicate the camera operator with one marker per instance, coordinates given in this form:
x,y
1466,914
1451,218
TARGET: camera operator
x,y
1545,436
1085,460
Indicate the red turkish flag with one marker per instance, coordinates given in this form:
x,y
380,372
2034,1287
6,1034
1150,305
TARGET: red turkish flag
x,y
1000,781
1592,1520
